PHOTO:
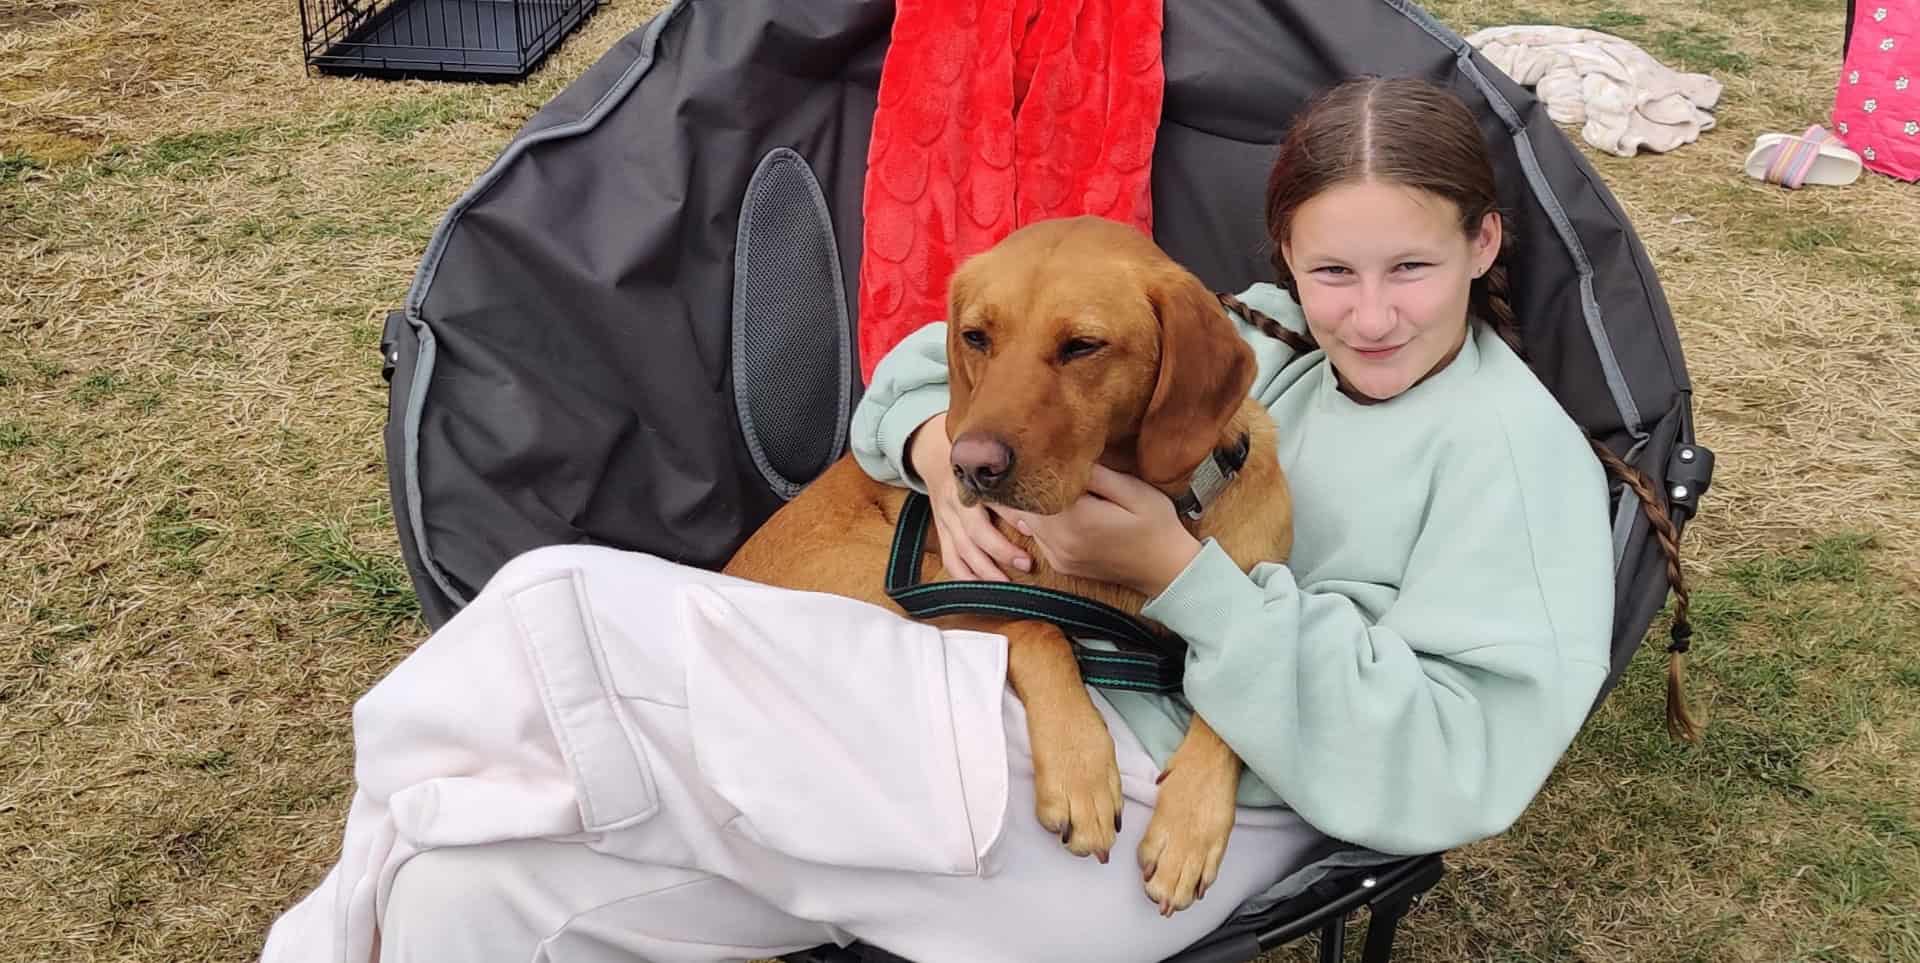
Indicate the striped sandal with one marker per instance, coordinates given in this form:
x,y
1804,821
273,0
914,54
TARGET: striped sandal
x,y
1815,157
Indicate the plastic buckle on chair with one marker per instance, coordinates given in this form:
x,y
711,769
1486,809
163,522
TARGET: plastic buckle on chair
x,y
1689,474
390,355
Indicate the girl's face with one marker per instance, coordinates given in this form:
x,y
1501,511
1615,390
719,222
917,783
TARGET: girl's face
x,y
1384,274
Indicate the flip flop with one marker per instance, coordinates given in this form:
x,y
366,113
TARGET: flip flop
x,y
1815,157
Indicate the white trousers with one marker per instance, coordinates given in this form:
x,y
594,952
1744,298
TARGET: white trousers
x,y
608,757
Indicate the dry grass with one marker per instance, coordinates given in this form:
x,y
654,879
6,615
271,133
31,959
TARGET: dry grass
x,y
198,574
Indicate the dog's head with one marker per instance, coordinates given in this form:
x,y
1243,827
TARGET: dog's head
x,y
1075,341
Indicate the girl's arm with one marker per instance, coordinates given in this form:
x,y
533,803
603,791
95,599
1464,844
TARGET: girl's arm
x,y
909,386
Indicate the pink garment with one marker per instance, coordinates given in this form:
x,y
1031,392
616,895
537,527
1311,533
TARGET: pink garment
x,y
1876,109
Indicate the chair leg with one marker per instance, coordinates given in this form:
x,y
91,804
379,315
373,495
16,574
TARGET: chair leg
x,y
1384,920
1333,940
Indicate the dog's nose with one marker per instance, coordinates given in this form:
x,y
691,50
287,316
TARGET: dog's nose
x,y
981,462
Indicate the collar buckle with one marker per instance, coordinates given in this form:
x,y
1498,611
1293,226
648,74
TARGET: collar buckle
x,y
1212,477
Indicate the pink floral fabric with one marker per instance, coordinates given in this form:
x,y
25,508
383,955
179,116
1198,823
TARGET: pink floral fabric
x,y
1876,109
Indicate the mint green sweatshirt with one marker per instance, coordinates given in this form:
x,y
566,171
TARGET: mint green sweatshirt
x,y
1412,673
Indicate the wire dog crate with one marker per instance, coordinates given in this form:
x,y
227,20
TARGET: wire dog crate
x,y
451,39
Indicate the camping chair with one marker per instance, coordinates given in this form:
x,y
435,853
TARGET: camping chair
x,y
636,328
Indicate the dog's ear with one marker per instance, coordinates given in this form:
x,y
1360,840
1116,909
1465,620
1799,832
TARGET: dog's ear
x,y
960,294
1205,372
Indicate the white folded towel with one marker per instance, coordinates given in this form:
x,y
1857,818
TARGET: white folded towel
x,y
1623,98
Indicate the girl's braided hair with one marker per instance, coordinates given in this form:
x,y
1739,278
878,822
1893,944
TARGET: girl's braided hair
x,y
1411,132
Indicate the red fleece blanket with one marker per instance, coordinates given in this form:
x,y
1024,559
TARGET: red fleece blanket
x,y
994,114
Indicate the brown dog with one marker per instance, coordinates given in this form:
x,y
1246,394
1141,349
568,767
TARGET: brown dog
x,y
1072,341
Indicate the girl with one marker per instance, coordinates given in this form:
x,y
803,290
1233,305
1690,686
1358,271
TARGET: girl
x,y
606,756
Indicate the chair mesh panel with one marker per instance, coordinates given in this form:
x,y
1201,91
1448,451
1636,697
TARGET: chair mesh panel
x,y
792,341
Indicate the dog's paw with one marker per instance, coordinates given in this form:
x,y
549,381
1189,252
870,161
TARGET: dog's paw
x,y
1076,779
1187,835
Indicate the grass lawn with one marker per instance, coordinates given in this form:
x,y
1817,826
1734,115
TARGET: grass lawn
x,y
198,573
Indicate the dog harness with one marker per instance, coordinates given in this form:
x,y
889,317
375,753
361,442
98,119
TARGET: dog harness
x,y
1144,660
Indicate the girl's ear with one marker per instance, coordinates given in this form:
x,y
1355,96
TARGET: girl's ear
x,y
1486,243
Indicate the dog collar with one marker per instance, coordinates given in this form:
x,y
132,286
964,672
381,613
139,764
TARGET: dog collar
x,y
1213,476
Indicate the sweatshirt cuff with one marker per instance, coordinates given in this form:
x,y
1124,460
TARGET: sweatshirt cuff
x,y
908,412
1197,600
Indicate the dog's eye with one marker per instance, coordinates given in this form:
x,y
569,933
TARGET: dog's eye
x,y
1079,348
975,338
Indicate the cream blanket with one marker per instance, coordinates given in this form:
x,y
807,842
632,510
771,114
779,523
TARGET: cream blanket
x,y
1623,98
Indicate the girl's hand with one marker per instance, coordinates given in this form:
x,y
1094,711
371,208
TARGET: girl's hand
x,y
971,548
1123,531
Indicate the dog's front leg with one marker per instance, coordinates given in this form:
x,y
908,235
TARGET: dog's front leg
x,y
1076,778
1187,836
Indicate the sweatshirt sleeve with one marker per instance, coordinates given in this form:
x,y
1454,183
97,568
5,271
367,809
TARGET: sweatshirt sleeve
x,y
1434,724
909,385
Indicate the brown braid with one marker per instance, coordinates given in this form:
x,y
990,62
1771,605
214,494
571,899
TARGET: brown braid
x,y
1268,326
1680,721
1495,302
1492,295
